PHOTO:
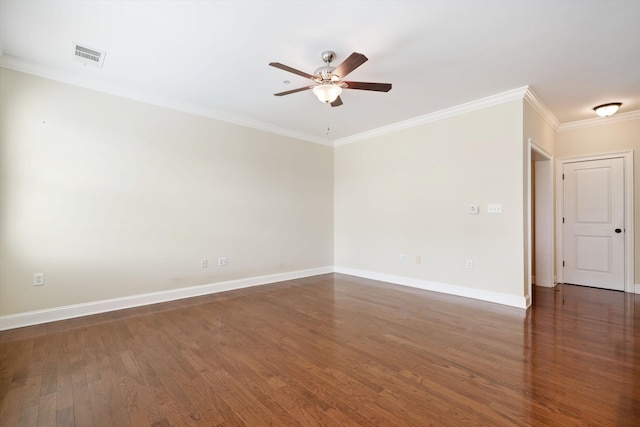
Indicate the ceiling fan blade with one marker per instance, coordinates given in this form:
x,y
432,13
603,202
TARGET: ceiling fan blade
x,y
300,89
351,63
378,87
291,70
337,102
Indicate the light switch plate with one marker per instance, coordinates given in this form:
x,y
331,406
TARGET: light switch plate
x,y
474,209
494,208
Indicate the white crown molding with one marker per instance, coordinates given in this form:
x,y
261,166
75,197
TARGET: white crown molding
x,y
599,121
525,92
20,320
537,104
478,294
17,64
479,104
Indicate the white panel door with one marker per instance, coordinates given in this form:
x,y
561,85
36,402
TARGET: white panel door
x,y
593,210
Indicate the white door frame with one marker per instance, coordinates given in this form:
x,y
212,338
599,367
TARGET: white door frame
x,y
544,234
627,156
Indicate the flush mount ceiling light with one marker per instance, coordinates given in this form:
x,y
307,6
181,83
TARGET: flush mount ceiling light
x,y
606,110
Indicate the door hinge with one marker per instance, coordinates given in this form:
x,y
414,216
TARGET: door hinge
x,y
563,263
563,177
563,220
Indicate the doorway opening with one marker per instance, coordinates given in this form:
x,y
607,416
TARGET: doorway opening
x,y
540,219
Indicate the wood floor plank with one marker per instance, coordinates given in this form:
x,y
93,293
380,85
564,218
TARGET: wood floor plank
x,y
83,412
65,417
37,357
100,411
332,350
115,401
165,407
31,392
28,416
47,410
20,357
10,406
51,366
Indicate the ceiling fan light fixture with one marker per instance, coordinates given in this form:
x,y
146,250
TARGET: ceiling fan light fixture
x,y
328,80
606,110
327,92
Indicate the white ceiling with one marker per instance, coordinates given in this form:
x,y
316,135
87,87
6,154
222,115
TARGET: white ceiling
x,y
211,57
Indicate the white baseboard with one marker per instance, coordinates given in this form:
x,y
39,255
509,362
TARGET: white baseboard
x,y
30,318
20,320
637,288
546,285
504,299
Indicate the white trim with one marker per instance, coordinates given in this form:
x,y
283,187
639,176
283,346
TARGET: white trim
x,y
627,156
637,288
479,294
479,104
20,320
17,64
547,286
539,149
537,104
598,121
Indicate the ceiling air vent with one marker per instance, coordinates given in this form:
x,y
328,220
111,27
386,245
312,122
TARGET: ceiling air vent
x,y
87,55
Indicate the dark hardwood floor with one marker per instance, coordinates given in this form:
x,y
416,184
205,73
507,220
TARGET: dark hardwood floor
x,y
332,350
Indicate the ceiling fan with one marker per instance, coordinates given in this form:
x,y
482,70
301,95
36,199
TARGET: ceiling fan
x,y
328,79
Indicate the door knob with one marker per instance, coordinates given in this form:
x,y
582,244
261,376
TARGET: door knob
x,y
617,230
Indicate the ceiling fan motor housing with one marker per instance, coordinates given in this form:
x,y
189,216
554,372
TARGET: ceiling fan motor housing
x,y
325,74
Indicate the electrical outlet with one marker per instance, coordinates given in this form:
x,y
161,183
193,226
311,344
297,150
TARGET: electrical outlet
x,y
403,258
204,263
469,263
38,279
418,260
474,209
222,262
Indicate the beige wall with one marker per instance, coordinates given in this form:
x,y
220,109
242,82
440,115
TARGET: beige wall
x,y
536,128
608,138
409,193
110,197
114,198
